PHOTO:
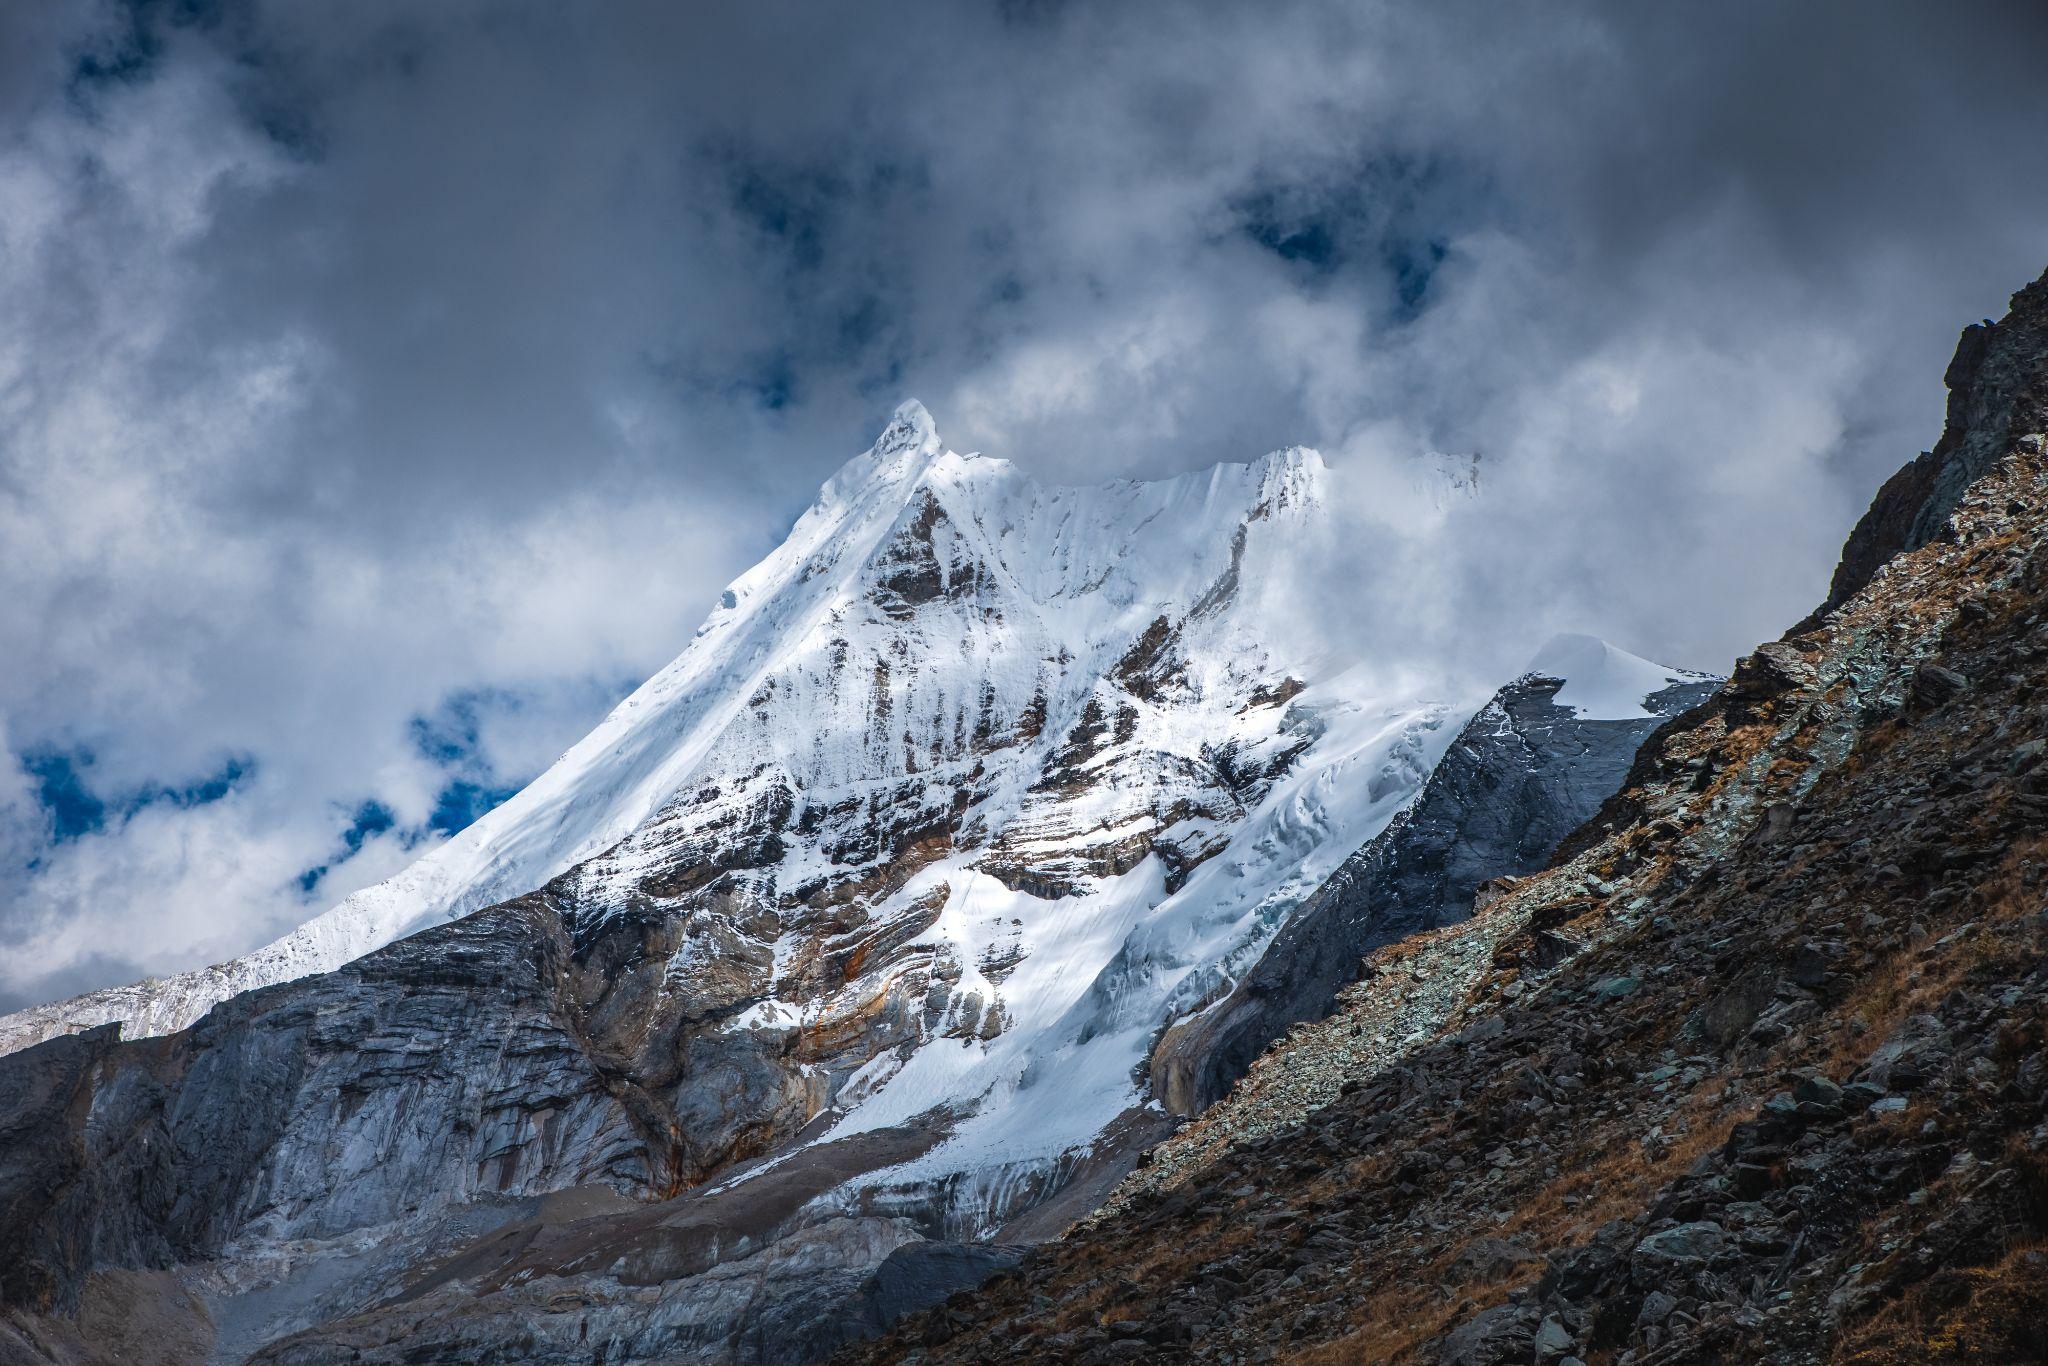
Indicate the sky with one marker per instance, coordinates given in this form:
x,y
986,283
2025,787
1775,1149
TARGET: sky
x,y
385,389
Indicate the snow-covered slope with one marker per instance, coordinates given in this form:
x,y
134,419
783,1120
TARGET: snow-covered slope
x,y
1100,973
1601,682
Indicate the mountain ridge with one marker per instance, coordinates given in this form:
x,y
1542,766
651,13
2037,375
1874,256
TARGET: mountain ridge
x,y
476,867
954,805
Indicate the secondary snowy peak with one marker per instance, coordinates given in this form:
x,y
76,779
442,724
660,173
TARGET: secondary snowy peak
x,y
1602,682
927,610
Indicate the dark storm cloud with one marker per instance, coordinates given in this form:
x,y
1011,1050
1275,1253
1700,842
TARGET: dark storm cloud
x,y
363,359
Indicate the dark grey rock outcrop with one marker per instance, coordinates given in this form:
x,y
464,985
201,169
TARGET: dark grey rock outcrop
x,y
1996,393
438,1071
746,1272
1523,774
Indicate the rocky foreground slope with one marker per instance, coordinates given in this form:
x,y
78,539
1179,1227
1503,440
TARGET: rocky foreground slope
x,y
1756,1071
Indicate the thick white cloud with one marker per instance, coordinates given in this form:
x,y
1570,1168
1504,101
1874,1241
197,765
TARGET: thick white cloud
x,y
362,357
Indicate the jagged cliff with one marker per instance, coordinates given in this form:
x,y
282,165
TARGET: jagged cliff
x,y
1755,1071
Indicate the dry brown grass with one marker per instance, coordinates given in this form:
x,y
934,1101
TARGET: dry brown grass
x,y
1117,1296
1996,1315
1420,1304
1970,1317
1403,1319
1905,983
1620,1176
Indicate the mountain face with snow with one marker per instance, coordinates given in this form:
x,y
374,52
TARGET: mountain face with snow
x,y
932,670
1530,767
846,943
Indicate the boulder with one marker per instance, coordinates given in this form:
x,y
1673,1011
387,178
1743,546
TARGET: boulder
x,y
1694,1244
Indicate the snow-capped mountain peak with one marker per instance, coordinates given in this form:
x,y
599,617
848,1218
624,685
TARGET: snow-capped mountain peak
x,y
1071,682
906,445
1603,682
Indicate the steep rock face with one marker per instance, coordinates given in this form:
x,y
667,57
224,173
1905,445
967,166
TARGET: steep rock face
x,y
441,1071
726,1275
1780,1097
1996,394
736,1272
1523,773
